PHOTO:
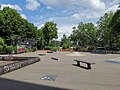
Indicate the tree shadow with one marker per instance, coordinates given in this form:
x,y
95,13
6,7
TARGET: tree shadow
x,y
7,84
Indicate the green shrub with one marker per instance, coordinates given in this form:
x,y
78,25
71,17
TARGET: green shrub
x,y
1,48
1,41
83,49
90,48
28,50
48,48
65,46
4,48
34,49
55,48
78,48
15,49
9,49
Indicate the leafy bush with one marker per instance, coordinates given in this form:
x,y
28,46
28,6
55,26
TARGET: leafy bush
x,y
1,48
55,48
52,48
48,48
1,41
65,46
4,48
15,49
78,48
83,49
34,49
9,49
28,50
90,48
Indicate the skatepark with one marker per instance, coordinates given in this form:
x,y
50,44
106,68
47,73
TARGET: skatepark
x,y
103,75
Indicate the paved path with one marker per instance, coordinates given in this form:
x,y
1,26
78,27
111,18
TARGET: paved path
x,y
102,76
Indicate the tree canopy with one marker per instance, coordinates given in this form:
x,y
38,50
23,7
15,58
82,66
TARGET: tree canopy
x,y
65,42
12,25
115,22
49,31
105,34
84,35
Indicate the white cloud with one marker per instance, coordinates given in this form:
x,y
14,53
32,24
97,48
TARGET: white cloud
x,y
64,30
48,7
16,7
113,8
96,4
81,10
58,3
92,14
76,16
114,2
93,4
32,4
24,16
51,19
39,25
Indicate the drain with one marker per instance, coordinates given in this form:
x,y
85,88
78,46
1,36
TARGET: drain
x,y
49,77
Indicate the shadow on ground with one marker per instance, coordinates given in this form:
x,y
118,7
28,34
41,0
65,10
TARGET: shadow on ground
x,y
7,84
82,67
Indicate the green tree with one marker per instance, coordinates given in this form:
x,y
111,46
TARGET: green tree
x,y
28,30
12,25
55,43
49,31
65,42
115,22
2,23
84,35
88,34
115,27
1,41
1,49
40,42
74,35
105,35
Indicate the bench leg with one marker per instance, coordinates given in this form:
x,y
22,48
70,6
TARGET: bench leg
x,y
89,66
78,63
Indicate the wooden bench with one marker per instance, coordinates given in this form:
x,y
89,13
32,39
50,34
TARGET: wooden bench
x,y
41,54
54,58
88,64
49,51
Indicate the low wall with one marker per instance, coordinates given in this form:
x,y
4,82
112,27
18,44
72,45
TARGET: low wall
x,y
13,66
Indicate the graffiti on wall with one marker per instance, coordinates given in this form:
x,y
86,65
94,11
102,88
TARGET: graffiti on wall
x,y
13,66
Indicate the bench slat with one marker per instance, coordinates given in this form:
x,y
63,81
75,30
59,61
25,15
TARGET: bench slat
x,y
88,64
84,62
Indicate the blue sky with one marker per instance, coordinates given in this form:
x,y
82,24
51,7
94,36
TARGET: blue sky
x,y
66,13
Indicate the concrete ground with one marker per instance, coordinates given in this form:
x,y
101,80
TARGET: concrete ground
x,y
102,76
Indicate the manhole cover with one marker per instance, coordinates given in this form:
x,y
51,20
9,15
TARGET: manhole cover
x,y
49,77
